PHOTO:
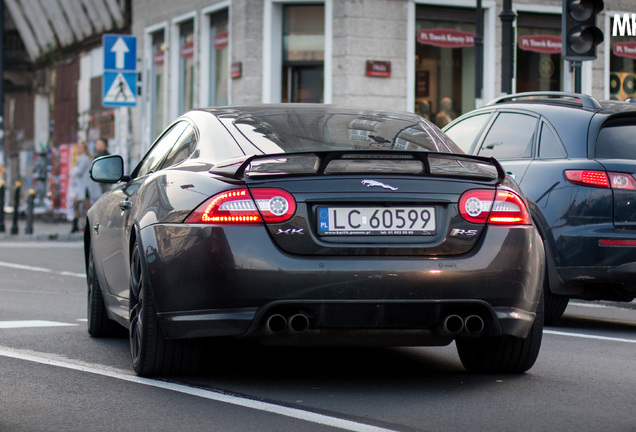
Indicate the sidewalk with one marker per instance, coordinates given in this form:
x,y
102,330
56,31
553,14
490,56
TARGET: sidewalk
x,y
43,230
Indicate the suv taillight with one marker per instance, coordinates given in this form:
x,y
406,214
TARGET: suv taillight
x,y
601,179
501,207
238,206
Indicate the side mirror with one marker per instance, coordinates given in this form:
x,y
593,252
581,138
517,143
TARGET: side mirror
x,y
107,169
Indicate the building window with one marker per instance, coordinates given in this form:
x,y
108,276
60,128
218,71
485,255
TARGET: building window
x,y
539,52
186,66
622,56
444,62
219,58
303,53
158,76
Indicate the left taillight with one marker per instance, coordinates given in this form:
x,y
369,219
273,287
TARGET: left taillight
x,y
240,207
500,207
601,179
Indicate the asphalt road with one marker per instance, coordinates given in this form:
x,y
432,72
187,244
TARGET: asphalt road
x,y
54,376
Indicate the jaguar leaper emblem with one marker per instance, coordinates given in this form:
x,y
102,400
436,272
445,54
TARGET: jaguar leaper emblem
x,y
375,183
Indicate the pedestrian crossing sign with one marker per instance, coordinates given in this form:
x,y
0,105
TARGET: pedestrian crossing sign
x,y
119,89
119,82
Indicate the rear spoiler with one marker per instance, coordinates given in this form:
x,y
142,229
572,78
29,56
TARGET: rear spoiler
x,y
235,168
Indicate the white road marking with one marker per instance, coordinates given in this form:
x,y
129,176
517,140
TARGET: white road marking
x,y
217,396
42,244
589,305
41,269
587,336
32,324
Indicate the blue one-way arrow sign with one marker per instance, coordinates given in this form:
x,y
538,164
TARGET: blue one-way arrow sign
x,y
120,52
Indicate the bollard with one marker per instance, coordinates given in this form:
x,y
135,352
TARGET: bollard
x,y
16,208
30,205
2,227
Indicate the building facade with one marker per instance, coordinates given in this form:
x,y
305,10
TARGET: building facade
x,y
416,55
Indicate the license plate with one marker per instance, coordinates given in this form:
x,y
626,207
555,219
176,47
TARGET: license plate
x,y
376,220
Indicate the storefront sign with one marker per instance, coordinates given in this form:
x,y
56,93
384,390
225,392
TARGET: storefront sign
x,y
237,70
187,50
541,43
378,68
221,40
625,49
446,38
159,57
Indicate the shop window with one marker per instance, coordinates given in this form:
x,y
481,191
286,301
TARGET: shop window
x,y
157,78
303,53
622,53
445,63
186,66
538,52
219,58
511,136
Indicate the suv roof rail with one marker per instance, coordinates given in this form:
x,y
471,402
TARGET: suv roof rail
x,y
586,100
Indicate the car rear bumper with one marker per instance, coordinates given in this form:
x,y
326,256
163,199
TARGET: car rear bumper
x,y
228,281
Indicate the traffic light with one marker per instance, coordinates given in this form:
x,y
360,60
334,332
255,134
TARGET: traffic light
x,y
579,32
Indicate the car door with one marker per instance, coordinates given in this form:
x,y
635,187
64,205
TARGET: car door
x,y
116,221
511,139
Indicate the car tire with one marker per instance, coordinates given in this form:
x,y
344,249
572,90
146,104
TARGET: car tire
x,y
555,304
99,325
151,353
503,354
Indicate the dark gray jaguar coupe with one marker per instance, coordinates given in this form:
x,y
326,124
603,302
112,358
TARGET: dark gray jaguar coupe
x,y
312,225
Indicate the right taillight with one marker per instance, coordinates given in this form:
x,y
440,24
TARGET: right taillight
x,y
500,207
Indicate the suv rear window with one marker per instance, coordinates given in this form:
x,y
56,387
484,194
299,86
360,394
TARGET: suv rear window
x,y
617,142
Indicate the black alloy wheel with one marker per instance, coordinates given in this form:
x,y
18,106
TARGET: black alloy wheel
x,y
503,354
151,353
99,325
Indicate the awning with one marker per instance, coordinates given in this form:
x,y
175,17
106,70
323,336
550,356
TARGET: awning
x,y
49,25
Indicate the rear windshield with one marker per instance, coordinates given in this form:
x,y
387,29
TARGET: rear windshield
x,y
291,132
617,142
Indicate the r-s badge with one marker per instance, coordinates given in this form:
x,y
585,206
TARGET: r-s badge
x,y
462,232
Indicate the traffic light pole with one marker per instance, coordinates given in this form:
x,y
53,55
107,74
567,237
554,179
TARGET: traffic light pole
x,y
576,69
507,17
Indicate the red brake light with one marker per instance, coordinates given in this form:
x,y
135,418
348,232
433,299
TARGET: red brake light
x,y
509,209
588,178
501,208
238,206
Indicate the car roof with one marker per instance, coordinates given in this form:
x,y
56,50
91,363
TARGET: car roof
x,y
565,100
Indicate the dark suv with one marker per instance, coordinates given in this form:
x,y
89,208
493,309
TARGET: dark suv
x,y
575,160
